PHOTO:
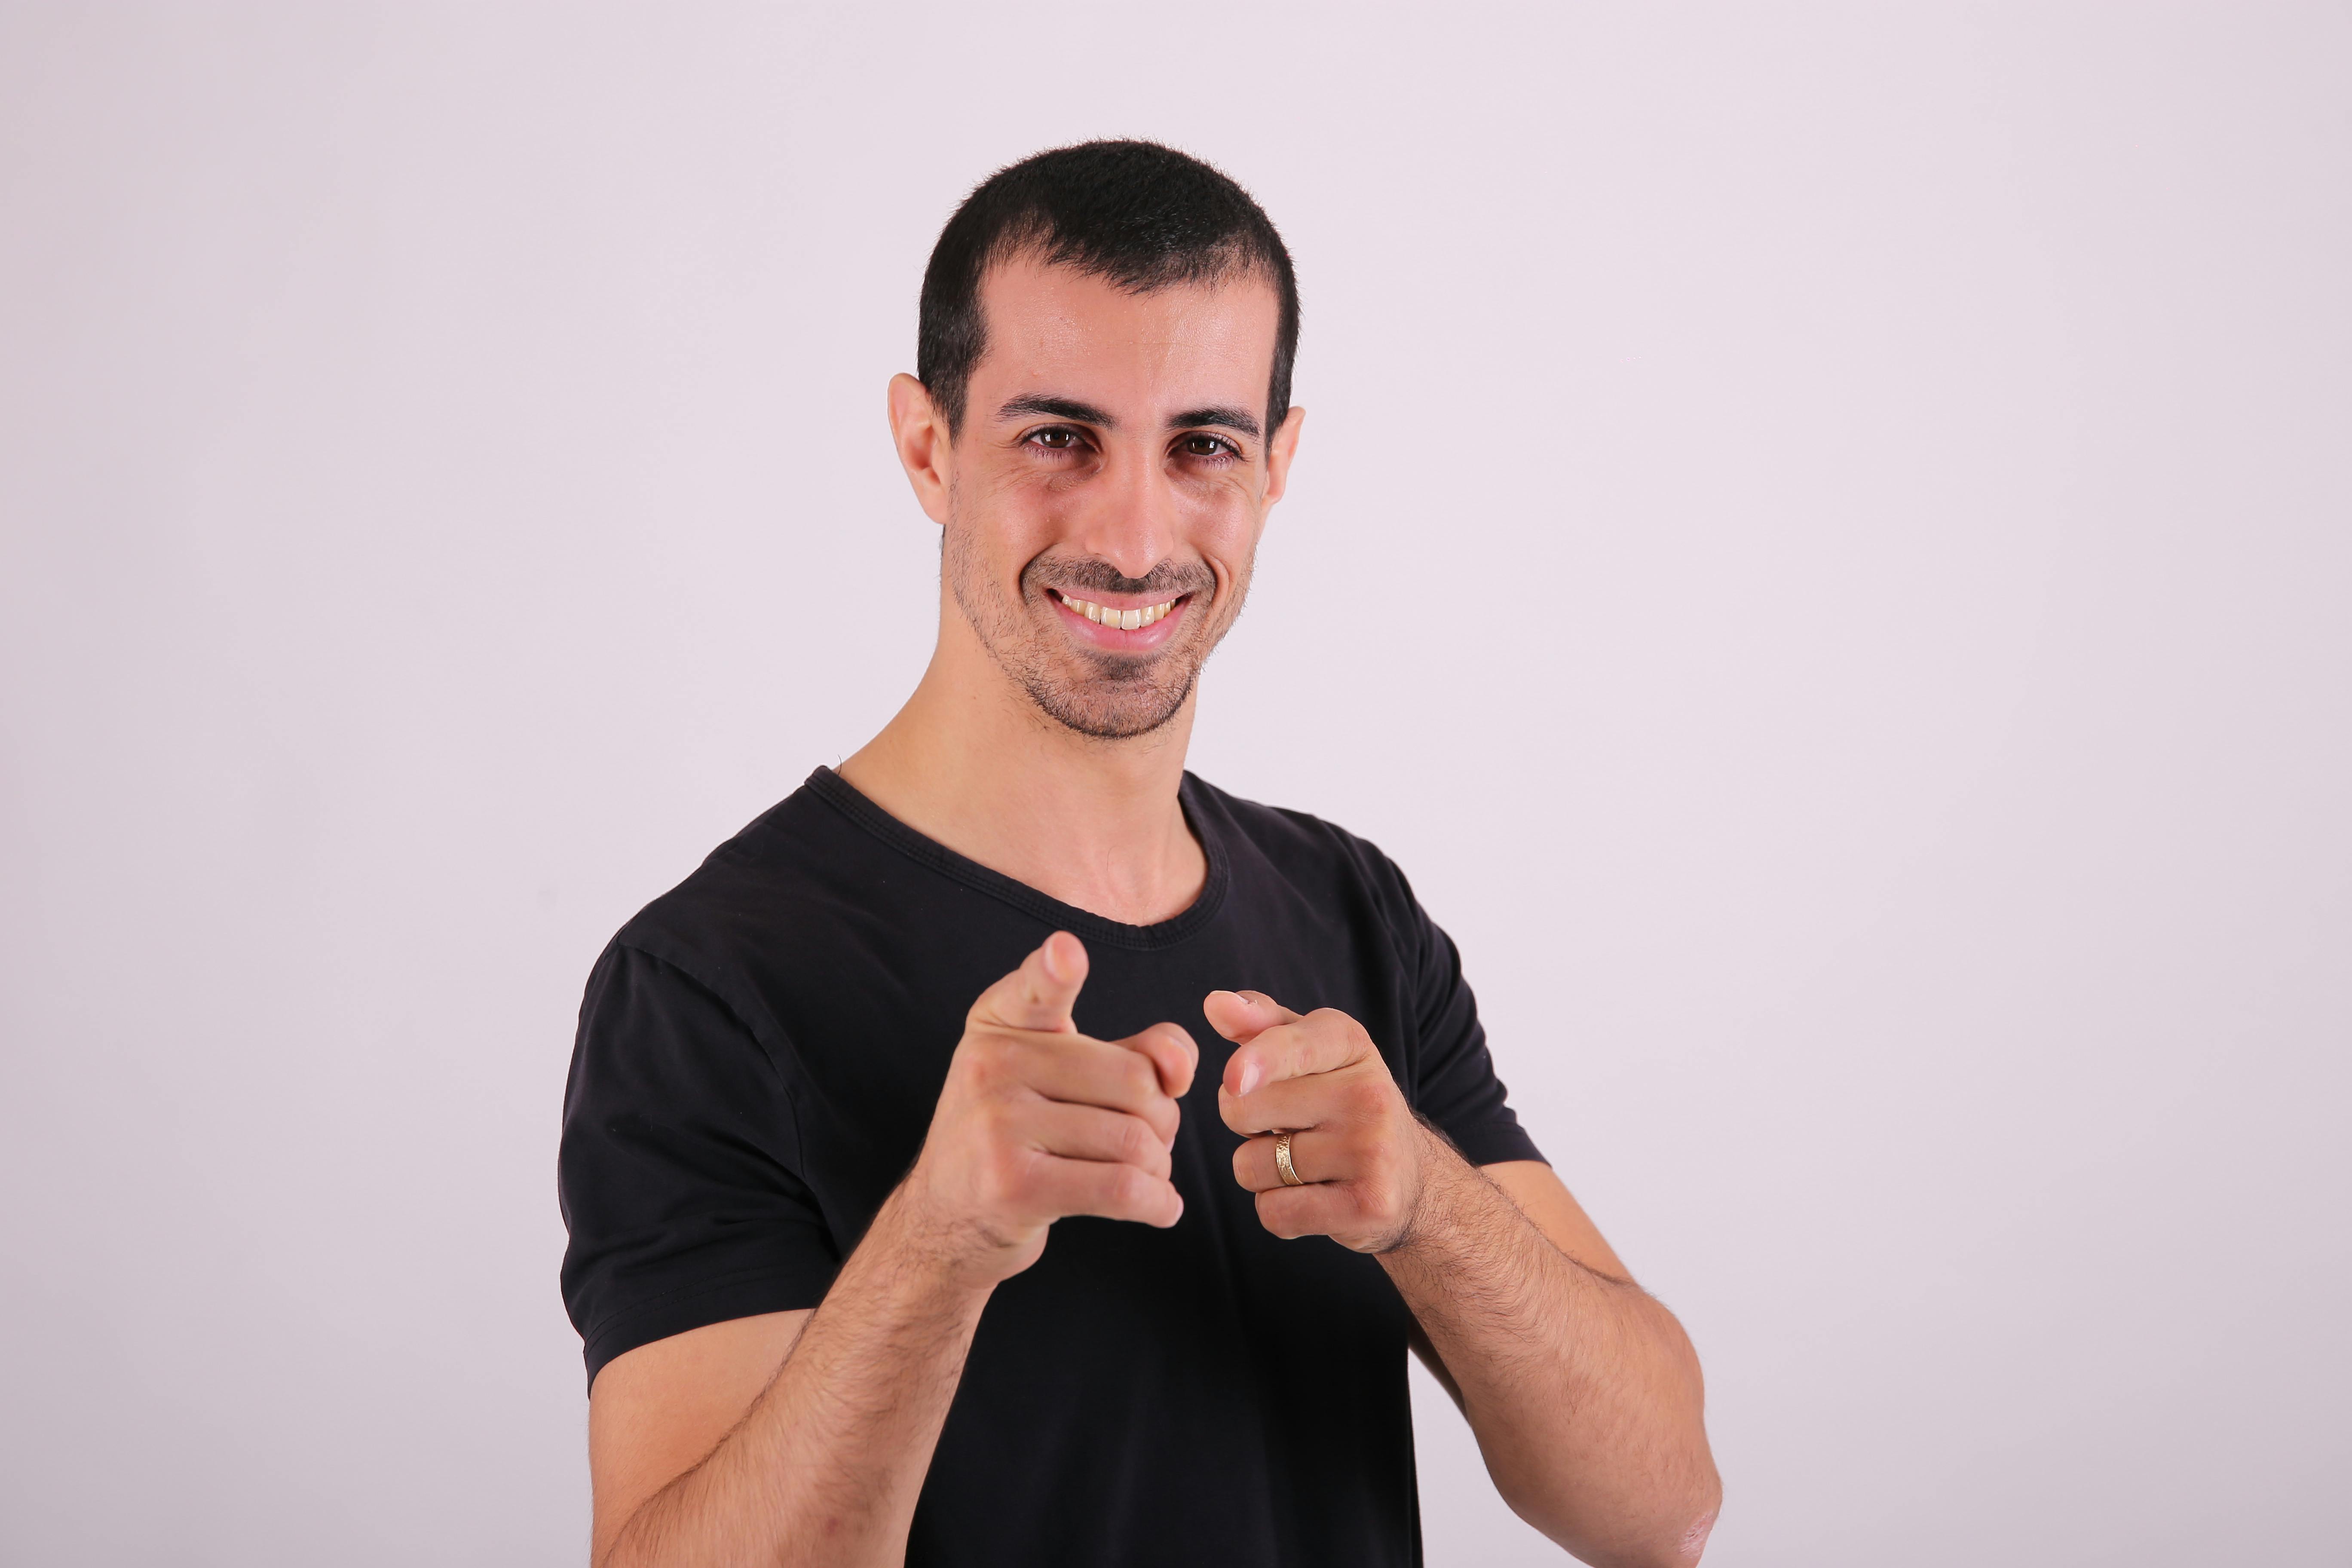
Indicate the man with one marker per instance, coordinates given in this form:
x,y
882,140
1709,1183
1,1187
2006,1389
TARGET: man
x,y
950,1161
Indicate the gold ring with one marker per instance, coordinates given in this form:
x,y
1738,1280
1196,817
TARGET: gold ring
x,y
1282,1165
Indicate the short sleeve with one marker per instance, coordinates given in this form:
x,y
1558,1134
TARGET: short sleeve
x,y
1454,1088
678,1168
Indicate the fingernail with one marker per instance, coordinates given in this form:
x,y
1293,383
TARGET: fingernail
x,y
1250,1075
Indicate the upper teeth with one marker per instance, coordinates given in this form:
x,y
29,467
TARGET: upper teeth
x,y
1126,620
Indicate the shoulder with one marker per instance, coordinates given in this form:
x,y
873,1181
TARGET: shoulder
x,y
778,883
1316,856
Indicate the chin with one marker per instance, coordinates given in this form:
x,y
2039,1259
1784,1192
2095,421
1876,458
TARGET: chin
x,y
1108,711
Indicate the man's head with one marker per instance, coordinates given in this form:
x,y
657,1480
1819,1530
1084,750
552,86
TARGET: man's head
x,y
1102,421
1135,214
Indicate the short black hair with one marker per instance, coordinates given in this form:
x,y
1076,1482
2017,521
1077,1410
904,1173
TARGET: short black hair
x,y
1141,214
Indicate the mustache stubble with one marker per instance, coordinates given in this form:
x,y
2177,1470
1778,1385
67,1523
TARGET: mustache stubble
x,y
1090,575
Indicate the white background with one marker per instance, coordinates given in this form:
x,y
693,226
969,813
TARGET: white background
x,y
1822,543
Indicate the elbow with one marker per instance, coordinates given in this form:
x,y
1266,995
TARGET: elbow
x,y
1693,1523
1672,1532
1679,1548
1690,1544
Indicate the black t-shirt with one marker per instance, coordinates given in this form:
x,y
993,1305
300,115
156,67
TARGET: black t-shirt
x,y
759,1053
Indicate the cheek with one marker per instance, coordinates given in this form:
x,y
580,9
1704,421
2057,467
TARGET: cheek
x,y
1231,551
1222,521
1008,519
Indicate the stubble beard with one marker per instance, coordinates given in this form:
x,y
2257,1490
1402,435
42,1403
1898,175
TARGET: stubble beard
x,y
1107,696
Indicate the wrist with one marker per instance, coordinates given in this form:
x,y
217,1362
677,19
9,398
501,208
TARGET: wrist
x,y
934,1253
1438,1171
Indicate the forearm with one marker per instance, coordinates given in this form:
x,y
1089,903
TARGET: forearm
x,y
1583,1390
827,1465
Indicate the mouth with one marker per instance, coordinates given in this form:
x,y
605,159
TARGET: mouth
x,y
1127,627
1128,618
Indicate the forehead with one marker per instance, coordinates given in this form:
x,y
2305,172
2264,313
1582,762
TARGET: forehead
x,y
1055,329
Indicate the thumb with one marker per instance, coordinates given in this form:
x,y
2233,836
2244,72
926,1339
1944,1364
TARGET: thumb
x,y
1040,992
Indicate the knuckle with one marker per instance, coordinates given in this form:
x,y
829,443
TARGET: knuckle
x,y
984,1060
1129,1188
1137,1078
1137,1140
993,1120
997,1180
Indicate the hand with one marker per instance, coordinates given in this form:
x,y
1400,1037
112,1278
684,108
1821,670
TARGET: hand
x,y
1355,1143
1037,1121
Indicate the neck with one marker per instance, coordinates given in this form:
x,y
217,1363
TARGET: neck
x,y
972,763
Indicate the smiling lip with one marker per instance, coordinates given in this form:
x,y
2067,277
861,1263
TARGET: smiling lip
x,y
1127,627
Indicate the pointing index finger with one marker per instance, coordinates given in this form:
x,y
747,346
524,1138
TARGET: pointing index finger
x,y
1241,1015
1040,992
1324,1041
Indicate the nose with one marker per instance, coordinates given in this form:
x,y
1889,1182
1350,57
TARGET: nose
x,y
1132,520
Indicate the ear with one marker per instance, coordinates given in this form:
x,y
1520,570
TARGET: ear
x,y
1280,450
920,431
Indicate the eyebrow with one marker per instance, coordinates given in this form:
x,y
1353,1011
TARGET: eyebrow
x,y
1088,414
1231,418
1057,408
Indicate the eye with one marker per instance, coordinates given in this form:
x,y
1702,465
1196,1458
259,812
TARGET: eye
x,y
1207,447
1057,439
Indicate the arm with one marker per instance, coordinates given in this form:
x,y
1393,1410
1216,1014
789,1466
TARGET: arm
x,y
1583,1391
825,1463
804,1438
